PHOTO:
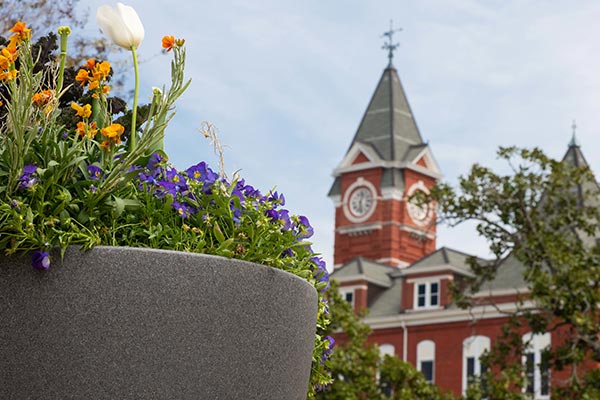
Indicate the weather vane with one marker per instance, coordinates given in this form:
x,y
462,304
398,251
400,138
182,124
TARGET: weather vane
x,y
390,46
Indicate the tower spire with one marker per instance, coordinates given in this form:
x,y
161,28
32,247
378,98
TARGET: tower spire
x,y
574,141
389,45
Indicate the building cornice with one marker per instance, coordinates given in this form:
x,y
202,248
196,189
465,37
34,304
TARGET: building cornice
x,y
445,316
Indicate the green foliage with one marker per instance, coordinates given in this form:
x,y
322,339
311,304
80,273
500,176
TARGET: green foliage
x,y
544,217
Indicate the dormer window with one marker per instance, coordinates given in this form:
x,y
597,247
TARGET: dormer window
x,y
348,295
427,294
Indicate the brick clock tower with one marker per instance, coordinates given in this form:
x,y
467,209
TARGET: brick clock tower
x,y
385,164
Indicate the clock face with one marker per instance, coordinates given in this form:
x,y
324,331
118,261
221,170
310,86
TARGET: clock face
x,y
421,214
361,201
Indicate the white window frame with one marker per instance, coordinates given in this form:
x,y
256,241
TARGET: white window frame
x,y
473,346
344,291
427,284
536,344
426,352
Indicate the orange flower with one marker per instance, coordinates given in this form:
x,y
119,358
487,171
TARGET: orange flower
x,y
168,42
82,76
101,71
84,111
42,98
8,75
89,130
105,89
113,132
81,128
20,31
90,63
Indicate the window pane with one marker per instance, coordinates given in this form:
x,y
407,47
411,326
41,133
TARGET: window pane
x,y
421,289
421,302
349,296
435,290
470,368
427,370
545,373
529,372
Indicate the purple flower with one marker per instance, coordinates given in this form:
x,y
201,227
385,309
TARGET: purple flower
x,y
183,209
321,273
202,173
277,198
26,180
40,260
303,227
330,345
94,171
155,161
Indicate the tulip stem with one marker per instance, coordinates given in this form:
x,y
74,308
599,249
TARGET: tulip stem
x,y
132,137
64,32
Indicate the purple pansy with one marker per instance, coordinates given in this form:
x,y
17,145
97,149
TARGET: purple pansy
x,y
330,345
94,171
183,209
27,180
40,260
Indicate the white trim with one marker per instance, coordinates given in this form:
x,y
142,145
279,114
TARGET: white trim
x,y
391,193
386,164
356,149
388,260
337,199
360,229
361,277
444,316
428,279
411,229
380,224
500,292
419,269
429,160
359,182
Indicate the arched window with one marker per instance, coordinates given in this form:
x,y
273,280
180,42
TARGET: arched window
x,y
537,370
473,349
426,359
387,349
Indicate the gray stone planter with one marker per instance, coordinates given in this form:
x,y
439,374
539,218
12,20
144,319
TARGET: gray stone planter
x,y
123,323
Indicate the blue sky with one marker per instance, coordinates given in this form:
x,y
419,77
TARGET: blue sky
x,y
286,83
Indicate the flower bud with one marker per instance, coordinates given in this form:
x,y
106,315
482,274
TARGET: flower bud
x,y
121,24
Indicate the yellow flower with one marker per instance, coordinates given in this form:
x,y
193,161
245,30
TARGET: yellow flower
x,y
83,112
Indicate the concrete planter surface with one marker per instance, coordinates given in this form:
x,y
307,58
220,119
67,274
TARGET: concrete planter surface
x,y
125,323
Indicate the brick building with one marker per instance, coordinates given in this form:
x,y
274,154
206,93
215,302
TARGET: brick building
x,y
386,259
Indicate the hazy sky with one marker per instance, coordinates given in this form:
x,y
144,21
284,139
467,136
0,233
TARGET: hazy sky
x,y
287,81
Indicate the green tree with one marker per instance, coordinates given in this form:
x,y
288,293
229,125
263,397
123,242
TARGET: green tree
x,y
543,218
358,369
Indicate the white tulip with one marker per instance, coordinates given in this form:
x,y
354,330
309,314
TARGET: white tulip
x,y
121,24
